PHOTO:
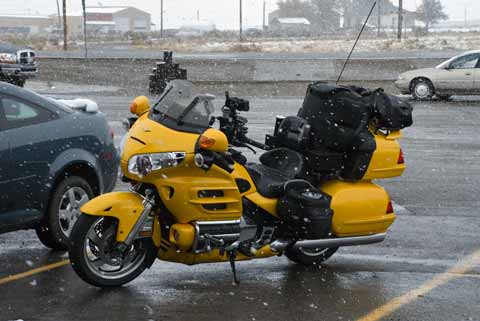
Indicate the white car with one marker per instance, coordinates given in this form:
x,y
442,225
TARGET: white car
x,y
459,75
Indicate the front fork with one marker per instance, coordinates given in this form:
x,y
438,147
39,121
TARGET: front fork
x,y
148,204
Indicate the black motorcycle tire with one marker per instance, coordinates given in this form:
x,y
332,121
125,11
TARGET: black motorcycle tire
x,y
300,257
78,259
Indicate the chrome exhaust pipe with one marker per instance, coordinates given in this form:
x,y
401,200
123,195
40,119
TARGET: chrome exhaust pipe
x,y
282,245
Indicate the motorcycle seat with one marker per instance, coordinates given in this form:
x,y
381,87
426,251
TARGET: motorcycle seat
x,y
277,167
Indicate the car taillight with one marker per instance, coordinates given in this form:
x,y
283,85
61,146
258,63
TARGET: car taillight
x,y
401,160
111,132
389,207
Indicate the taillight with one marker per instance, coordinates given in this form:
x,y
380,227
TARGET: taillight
x,y
401,160
111,132
389,207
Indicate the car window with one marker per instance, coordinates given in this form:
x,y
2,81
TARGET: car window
x,y
18,113
465,62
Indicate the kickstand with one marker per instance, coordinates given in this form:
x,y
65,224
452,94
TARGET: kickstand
x,y
231,256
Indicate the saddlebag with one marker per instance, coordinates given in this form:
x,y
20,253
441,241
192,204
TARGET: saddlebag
x,y
389,112
305,211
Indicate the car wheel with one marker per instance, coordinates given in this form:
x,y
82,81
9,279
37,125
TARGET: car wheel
x,y
309,257
422,89
63,212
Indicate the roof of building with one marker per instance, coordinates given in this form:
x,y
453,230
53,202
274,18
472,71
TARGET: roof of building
x,y
18,16
100,23
107,10
303,21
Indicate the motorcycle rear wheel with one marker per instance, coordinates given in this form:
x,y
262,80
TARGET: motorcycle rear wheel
x,y
96,260
309,257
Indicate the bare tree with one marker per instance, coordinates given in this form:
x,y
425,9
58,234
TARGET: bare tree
x,y
431,12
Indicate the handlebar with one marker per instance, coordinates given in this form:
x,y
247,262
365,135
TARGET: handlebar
x,y
222,162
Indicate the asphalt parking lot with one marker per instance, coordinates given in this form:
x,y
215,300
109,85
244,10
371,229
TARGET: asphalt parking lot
x,y
427,269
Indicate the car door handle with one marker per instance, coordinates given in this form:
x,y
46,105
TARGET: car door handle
x,y
468,74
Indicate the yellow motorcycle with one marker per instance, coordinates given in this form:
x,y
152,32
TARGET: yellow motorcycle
x,y
195,198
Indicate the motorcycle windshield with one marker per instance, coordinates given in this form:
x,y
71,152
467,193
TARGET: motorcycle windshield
x,y
181,108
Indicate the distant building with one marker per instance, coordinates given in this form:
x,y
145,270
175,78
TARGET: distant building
x,y
388,15
120,19
195,28
24,24
293,26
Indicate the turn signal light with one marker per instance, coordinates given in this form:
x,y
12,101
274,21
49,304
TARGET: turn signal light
x,y
401,160
206,142
133,107
389,207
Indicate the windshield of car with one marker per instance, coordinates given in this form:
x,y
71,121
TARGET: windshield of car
x,y
180,107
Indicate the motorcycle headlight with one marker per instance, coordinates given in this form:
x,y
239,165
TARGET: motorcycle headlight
x,y
8,58
143,164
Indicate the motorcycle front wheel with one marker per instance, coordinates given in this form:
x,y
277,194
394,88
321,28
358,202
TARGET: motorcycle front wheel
x,y
95,258
309,257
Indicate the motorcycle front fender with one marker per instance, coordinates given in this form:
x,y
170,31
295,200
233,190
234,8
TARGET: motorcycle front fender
x,y
126,207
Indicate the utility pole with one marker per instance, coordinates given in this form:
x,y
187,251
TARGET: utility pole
x,y
65,25
264,16
400,19
198,15
240,34
59,15
161,18
379,19
85,28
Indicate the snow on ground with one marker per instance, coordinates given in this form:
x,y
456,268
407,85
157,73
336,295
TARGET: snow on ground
x,y
432,42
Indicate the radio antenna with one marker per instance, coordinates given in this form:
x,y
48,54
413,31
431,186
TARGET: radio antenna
x,y
355,44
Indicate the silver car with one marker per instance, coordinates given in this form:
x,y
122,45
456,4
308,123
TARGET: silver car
x,y
459,75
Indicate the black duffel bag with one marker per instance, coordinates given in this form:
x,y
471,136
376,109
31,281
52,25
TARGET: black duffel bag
x,y
390,112
336,115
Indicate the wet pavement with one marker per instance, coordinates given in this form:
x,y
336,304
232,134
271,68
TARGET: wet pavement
x,y
421,272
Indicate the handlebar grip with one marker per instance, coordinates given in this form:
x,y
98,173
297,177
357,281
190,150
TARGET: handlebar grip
x,y
222,162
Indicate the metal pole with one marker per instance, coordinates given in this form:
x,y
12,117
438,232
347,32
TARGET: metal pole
x,y
85,28
241,37
264,16
161,18
59,15
379,19
400,19
65,38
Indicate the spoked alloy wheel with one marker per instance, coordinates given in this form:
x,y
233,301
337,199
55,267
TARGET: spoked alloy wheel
x,y
96,258
63,211
310,256
69,208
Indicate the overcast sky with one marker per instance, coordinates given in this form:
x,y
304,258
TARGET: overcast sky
x,y
224,13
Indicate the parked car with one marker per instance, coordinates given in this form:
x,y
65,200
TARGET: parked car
x,y
17,64
53,158
459,75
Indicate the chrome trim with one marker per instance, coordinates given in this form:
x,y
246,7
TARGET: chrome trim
x,y
198,237
233,222
282,245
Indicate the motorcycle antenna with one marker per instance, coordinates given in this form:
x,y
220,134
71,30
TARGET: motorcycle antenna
x,y
355,44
